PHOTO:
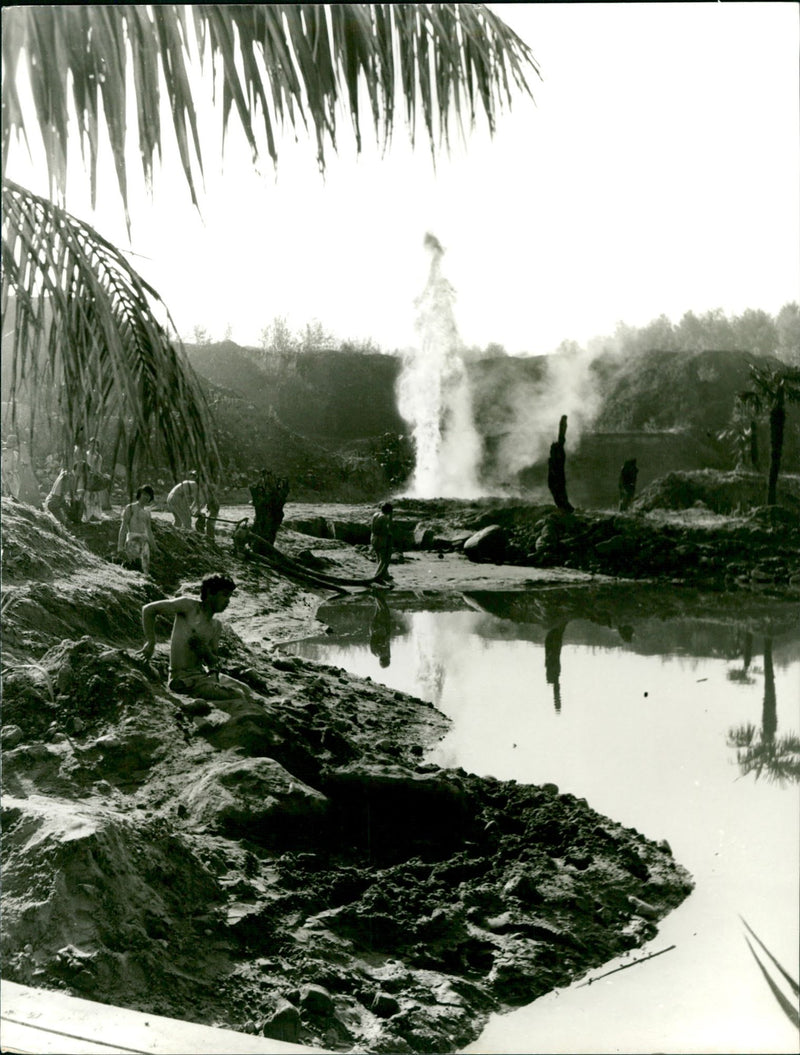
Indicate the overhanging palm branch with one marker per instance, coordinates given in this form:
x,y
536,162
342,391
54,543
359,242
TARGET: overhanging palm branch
x,y
85,332
275,66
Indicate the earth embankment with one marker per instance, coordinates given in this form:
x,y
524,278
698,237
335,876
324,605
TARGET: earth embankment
x,y
286,863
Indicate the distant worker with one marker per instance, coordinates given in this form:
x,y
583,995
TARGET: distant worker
x,y
183,502
627,483
381,540
57,501
194,643
135,541
11,466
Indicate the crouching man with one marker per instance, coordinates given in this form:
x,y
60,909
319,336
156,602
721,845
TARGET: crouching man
x,y
193,659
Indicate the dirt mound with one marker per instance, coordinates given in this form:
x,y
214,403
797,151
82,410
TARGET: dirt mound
x,y
102,901
221,864
726,493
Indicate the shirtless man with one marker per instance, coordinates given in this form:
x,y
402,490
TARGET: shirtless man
x,y
135,540
184,500
193,661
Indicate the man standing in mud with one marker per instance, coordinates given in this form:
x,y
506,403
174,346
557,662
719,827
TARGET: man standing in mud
x,y
193,659
135,540
183,501
381,540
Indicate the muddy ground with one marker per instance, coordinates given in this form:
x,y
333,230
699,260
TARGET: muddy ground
x,y
290,864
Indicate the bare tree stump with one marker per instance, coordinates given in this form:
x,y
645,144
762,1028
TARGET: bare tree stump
x,y
556,469
269,496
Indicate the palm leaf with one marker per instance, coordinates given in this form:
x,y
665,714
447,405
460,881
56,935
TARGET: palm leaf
x,y
86,339
85,327
295,63
793,985
788,1008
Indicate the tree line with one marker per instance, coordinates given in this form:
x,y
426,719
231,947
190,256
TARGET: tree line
x,y
754,331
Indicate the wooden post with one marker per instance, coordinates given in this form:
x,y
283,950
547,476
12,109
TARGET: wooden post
x,y
269,495
556,469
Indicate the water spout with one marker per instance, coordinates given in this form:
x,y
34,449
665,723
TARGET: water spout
x,y
434,395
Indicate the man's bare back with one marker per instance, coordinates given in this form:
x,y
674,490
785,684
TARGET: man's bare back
x,y
193,660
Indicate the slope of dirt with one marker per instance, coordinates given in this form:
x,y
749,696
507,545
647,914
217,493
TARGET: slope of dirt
x,y
283,863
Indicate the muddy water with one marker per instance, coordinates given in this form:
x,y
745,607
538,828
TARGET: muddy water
x,y
678,727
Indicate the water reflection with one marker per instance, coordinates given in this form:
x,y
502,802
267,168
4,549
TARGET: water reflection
x,y
432,648
554,639
650,705
743,675
380,631
758,750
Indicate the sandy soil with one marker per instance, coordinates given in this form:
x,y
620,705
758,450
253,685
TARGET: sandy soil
x,y
285,863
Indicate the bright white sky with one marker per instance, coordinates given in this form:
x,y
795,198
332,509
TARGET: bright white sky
x,y
656,172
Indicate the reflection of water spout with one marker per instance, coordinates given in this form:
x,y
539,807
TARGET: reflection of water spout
x,y
434,395
431,655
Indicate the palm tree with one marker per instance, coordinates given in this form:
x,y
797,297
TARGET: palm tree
x,y
771,388
86,326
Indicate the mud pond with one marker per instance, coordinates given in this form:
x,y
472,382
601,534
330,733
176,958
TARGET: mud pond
x,y
682,723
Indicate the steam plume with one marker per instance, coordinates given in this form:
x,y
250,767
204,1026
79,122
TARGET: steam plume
x,y
567,387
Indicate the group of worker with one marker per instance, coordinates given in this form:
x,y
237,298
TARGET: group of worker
x,y
136,542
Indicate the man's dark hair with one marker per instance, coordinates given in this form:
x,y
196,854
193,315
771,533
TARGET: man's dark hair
x,y
216,584
387,507
146,489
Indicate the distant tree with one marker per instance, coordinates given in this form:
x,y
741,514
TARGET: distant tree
x,y
315,338
698,333
277,337
756,331
787,324
361,345
690,333
770,389
658,334
200,335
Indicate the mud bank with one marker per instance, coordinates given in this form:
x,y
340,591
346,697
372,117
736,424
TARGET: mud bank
x,y
284,864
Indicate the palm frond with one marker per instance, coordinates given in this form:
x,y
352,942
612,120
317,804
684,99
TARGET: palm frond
x,y
278,64
791,982
768,381
789,1007
85,328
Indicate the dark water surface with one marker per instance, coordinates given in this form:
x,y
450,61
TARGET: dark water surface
x,y
678,717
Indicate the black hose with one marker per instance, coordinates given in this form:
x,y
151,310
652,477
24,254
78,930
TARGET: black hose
x,y
320,577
